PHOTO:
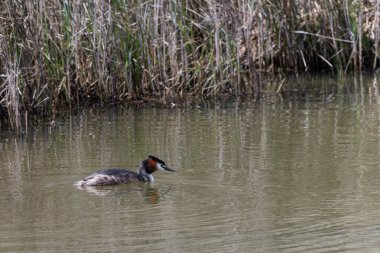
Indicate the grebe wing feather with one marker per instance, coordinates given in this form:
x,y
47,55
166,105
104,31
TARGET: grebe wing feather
x,y
110,177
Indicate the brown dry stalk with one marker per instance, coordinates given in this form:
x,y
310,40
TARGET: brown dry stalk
x,y
58,54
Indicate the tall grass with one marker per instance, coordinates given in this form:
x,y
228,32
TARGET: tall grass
x,y
58,54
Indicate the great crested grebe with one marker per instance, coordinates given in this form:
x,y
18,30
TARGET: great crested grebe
x,y
122,176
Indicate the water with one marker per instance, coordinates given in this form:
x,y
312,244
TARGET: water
x,y
291,176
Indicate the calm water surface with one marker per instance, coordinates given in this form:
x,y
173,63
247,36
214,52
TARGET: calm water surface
x,y
284,177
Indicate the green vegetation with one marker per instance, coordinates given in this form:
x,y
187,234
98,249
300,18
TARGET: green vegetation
x,y
58,54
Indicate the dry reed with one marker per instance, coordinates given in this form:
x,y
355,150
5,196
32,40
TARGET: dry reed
x,y
58,54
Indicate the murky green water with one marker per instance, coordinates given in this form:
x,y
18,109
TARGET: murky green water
x,y
268,177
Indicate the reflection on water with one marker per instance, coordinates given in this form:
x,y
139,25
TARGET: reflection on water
x,y
144,190
291,176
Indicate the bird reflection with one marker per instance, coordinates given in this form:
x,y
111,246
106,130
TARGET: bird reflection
x,y
149,193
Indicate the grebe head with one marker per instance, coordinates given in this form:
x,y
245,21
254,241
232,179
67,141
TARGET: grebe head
x,y
150,165
153,164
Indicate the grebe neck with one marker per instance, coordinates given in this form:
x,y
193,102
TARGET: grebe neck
x,y
144,171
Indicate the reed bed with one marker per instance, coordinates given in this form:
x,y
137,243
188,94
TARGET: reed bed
x,y
56,55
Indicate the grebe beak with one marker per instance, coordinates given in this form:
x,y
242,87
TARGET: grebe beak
x,y
163,167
